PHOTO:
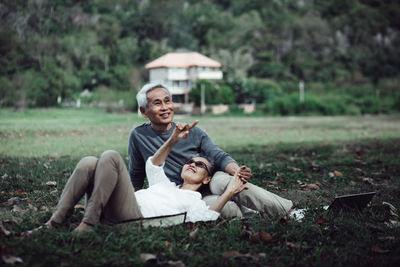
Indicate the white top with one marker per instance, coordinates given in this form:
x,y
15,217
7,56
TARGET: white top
x,y
164,197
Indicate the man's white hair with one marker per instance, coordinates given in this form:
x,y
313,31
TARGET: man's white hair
x,y
141,97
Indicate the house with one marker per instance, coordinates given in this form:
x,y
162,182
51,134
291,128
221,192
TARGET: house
x,y
180,70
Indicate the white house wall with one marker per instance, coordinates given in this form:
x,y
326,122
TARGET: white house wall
x,y
177,74
159,74
209,75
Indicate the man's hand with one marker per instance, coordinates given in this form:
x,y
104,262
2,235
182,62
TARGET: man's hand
x,y
236,184
244,173
181,130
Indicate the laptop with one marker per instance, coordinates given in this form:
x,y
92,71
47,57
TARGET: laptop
x,y
351,202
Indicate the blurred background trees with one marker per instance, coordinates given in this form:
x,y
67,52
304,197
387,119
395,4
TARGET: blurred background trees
x,y
346,51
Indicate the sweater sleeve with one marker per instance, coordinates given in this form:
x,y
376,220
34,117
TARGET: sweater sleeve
x,y
210,149
155,174
136,162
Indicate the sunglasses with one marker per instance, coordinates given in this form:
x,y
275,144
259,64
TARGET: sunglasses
x,y
199,164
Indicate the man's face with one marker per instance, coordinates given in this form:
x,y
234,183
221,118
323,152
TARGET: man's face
x,y
160,110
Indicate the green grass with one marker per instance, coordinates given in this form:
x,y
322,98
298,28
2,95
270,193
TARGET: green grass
x,y
284,153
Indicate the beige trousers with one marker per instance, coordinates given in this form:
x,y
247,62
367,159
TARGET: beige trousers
x,y
255,198
109,192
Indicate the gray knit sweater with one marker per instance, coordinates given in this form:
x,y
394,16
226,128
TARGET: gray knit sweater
x,y
144,141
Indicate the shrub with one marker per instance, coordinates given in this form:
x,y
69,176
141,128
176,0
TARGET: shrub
x,y
112,100
328,104
226,95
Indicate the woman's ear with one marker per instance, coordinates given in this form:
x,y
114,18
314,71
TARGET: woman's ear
x,y
206,180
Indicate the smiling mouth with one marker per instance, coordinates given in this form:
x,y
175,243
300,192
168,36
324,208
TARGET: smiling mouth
x,y
165,115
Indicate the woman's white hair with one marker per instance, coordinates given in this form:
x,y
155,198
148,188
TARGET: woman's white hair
x,y
141,96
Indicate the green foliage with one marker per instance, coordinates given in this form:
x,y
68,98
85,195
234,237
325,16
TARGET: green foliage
x,y
113,100
210,93
77,45
226,95
328,104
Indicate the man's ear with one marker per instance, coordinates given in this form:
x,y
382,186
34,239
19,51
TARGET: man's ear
x,y
143,111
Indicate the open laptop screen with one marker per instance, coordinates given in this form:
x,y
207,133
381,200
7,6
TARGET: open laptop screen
x,y
351,202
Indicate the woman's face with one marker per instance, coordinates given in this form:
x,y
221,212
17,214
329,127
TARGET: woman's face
x,y
196,171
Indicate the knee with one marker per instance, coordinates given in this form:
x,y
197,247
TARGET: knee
x,y
87,164
110,155
219,182
231,210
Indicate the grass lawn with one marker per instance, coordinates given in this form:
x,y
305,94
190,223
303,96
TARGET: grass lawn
x,y
289,156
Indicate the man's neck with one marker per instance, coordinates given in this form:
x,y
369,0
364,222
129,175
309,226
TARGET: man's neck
x,y
161,127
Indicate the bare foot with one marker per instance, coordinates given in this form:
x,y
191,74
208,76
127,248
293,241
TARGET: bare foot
x,y
51,225
82,228
47,226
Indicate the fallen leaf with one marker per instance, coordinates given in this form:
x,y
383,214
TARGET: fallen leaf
x,y
393,224
360,161
368,181
378,250
4,231
314,166
280,180
8,259
283,219
261,236
79,207
50,184
294,169
172,264
30,206
321,220
386,238
14,200
337,173
44,208
359,170
17,208
53,192
147,257
193,234
296,246
376,228
309,187
236,254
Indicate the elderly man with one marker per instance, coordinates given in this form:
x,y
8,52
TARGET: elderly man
x,y
155,103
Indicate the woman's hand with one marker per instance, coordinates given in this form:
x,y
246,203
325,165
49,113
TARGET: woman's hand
x,y
235,186
182,130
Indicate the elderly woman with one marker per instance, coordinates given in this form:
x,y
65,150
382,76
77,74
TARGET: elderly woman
x,y
110,197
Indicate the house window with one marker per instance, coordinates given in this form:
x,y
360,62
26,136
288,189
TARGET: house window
x,y
178,98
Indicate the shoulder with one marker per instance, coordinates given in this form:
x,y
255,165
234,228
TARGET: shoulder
x,y
141,129
198,131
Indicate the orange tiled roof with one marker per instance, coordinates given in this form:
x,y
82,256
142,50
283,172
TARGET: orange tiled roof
x,y
182,60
